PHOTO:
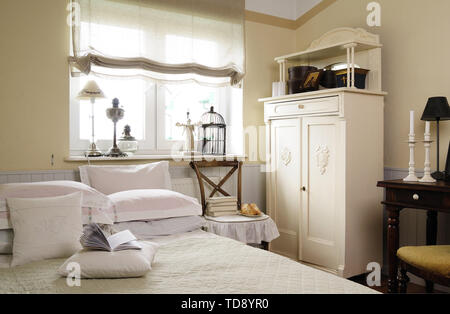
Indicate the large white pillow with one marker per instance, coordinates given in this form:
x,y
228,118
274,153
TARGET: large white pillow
x,y
45,227
113,179
94,203
135,205
145,230
121,264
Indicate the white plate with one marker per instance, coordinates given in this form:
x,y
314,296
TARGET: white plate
x,y
251,216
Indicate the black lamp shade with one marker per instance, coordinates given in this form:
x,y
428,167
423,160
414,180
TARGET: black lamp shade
x,y
437,109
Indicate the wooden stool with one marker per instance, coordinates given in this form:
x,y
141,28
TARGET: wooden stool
x,y
431,263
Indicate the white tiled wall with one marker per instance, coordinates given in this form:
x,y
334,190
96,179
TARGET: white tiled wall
x,y
183,180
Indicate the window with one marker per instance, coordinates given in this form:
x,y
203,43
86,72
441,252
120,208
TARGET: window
x,y
152,110
161,60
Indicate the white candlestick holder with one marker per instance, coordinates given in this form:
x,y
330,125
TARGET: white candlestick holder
x,y
412,163
427,178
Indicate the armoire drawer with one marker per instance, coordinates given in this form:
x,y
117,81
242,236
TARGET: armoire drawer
x,y
304,107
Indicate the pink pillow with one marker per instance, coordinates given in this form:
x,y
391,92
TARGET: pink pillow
x,y
113,179
94,204
138,205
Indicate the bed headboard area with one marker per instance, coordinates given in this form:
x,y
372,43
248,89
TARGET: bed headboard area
x,y
183,180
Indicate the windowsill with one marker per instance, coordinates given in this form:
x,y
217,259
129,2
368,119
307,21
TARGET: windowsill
x,y
175,158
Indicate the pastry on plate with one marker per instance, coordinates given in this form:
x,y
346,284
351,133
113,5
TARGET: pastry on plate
x,y
250,210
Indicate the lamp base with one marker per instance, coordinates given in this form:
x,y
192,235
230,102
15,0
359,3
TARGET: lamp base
x,y
93,151
438,175
115,152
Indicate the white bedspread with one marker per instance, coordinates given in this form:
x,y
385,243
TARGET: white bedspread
x,y
194,263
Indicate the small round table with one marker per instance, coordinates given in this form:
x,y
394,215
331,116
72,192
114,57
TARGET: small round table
x,y
258,230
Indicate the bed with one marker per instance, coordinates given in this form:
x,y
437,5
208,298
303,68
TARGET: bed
x,y
193,262
187,261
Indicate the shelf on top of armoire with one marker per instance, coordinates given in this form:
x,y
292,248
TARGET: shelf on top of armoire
x,y
326,52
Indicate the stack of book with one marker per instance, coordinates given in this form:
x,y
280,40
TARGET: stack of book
x,y
221,206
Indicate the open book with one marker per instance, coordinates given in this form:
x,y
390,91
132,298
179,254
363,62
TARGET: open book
x,y
94,238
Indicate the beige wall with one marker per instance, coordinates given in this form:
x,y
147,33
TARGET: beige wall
x,y
34,85
416,63
34,80
34,120
263,44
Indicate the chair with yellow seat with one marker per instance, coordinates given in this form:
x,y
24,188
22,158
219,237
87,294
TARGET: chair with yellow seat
x,y
431,263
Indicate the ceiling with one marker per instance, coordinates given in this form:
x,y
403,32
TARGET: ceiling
x,y
288,9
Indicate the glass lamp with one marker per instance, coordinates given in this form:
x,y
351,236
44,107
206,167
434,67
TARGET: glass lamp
x,y
115,114
437,109
91,91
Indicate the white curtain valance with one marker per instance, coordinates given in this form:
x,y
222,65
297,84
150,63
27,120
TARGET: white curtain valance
x,y
165,40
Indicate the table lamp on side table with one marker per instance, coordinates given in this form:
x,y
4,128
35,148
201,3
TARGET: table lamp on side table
x,y
437,109
91,92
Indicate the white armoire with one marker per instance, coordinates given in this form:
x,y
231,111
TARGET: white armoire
x,y
325,157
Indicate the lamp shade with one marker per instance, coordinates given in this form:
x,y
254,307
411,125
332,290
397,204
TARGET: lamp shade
x,y
437,109
90,90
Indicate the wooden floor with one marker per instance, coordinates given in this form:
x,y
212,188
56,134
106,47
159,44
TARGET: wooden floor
x,y
412,288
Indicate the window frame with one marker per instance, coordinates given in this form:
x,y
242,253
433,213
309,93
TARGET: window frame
x,y
154,142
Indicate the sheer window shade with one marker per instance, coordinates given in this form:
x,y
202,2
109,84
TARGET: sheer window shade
x,y
165,40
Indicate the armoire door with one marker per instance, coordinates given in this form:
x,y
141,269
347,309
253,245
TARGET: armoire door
x,y
285,184
319,210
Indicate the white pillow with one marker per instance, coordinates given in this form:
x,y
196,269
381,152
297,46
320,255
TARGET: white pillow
x,y
137,205
45,227
112,179
94,203
145,230
121,264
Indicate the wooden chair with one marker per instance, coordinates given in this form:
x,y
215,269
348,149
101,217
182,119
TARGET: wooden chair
x,y
431,263
235,165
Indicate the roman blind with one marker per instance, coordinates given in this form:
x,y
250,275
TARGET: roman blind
x,y
164,40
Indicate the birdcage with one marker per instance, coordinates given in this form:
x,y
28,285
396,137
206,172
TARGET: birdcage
x,y
212,134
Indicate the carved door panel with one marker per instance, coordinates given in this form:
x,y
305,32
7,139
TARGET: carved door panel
x,y
285,184
319,210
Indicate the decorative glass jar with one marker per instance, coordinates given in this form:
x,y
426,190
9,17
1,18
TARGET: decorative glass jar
x,y
127,143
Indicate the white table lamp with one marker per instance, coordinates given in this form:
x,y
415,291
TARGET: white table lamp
x,y
91,91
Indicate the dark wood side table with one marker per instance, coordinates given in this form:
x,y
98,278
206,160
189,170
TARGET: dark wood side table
x,y
432,197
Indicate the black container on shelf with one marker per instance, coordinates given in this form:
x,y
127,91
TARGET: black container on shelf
x,y
360,78
297,76
295,86
329,79
300,72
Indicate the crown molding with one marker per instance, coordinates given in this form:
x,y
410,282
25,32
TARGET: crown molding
x,y
287,23
262,18
313,12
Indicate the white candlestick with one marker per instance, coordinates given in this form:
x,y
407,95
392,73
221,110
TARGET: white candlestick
x,y
427,178
412,163
412,144
411,122
427,127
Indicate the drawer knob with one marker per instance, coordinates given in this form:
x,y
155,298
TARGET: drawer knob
x,y
416,197
304,189
301,106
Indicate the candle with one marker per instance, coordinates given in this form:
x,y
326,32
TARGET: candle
x,y
427,127
411,122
